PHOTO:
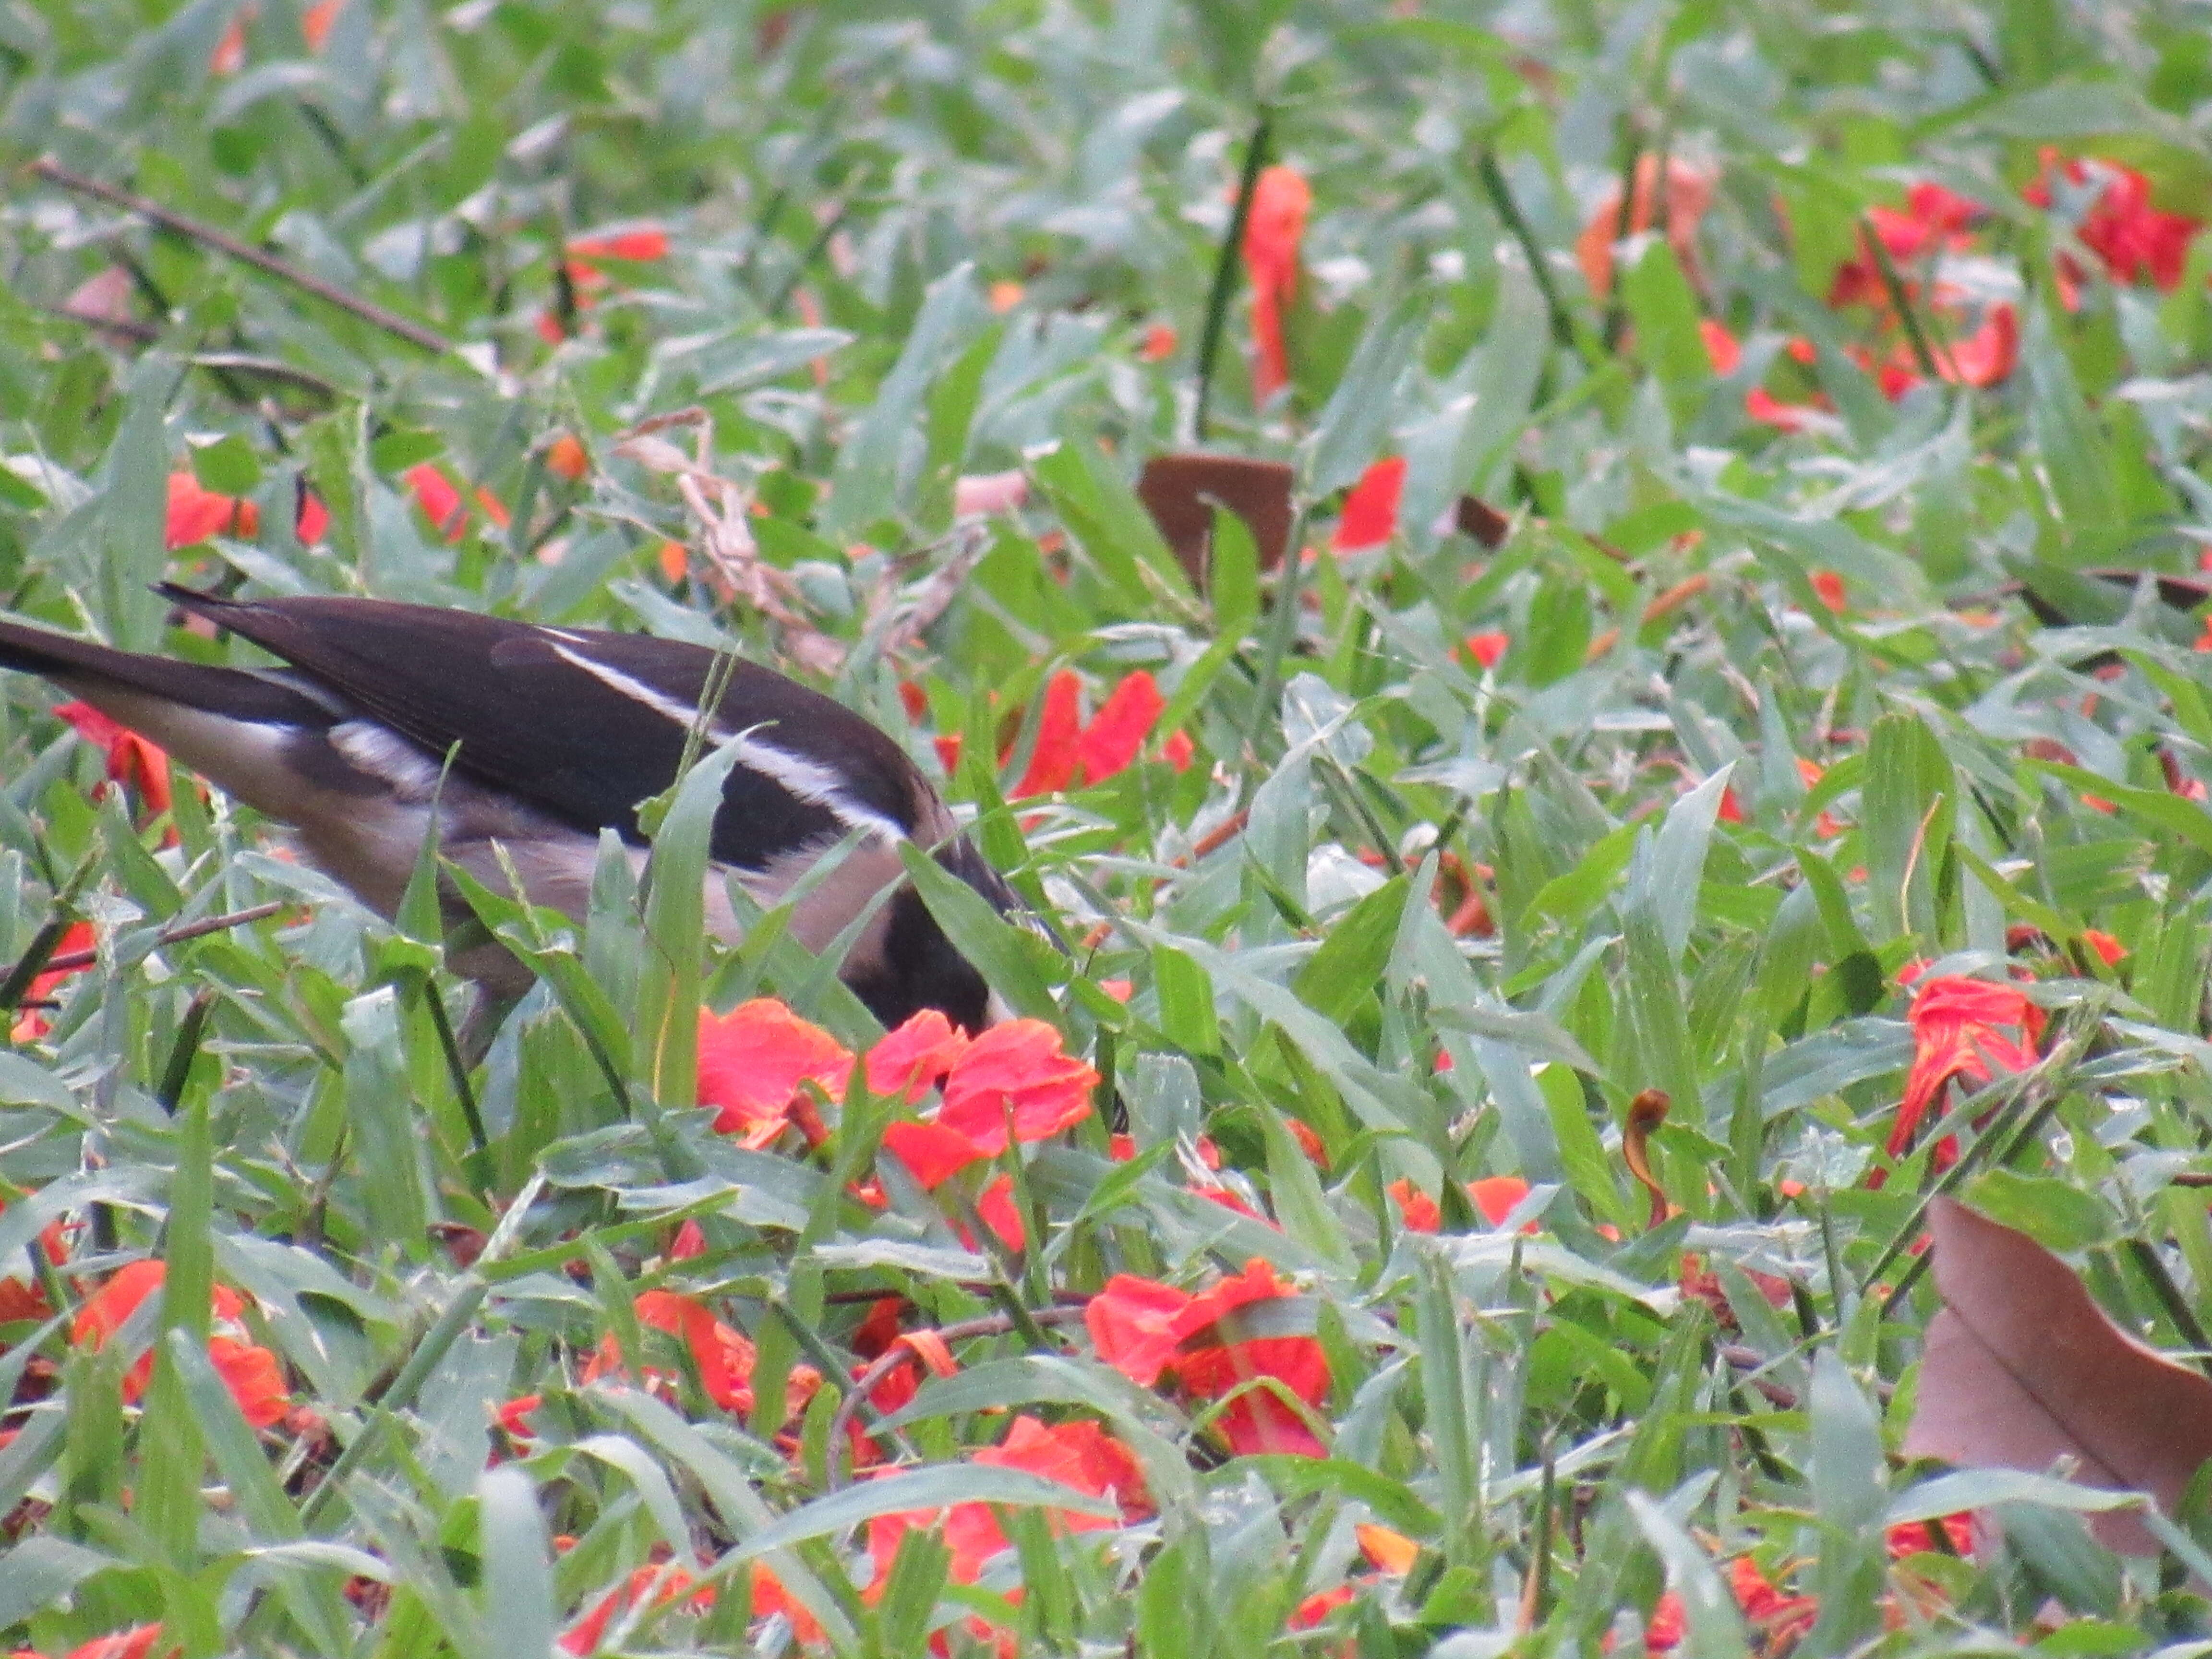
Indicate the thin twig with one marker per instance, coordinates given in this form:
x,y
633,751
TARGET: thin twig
x,y
368,311
269,368
70,961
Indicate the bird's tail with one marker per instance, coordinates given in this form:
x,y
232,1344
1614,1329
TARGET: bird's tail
x,y
102,675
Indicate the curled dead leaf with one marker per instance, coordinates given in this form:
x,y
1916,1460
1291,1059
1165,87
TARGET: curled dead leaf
x,y
1472,516
1645,1113
2022,1369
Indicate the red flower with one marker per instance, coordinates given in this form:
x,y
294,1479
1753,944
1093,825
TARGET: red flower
x,y
1496,1196
316,22
1763,406
2136,241
1143,1328
636,246
514,1416
1370,510
440,501
314,521
753,1062
932,1155
1135,1326
872,1337
2108,949
909,1062
136,1643
19,1298
196,514
1778,1620
1119,728
663,1584
1389,1552
770,1598
1689,193
1159,343
639,246
1016,1073
1260,1420
1987,355
1068,752
1271,235
1726,355
1934,220
1958,1029
229,54
1417,1210
1723,351
252,1375
1830,586
1914,1537
1079,1455
1731,808
131,759
566,458
1001,1214
723,1356
32,1022
1318,1606
1177,751
1984,358
1054,758
1487,649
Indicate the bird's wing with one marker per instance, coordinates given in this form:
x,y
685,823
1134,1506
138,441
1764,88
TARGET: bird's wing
x,y
586,723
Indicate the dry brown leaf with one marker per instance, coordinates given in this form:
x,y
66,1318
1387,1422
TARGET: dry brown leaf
x,y
2022,1367
1472,516
1179,491
1645,1113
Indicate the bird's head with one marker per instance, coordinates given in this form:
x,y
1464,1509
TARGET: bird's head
x,y
917,967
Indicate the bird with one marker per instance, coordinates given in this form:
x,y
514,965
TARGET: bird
x,y
526,742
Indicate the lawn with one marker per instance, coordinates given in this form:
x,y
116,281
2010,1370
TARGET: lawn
x,y
1588,621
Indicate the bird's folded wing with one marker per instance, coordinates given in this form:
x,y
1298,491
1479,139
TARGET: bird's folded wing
x,y
586,723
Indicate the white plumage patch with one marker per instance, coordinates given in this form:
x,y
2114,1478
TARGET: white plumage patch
x,y
806,780
387,756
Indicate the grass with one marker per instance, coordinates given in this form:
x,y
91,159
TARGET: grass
x,y
1796,671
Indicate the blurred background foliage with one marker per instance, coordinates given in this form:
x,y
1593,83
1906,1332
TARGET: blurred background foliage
x,y
1838,373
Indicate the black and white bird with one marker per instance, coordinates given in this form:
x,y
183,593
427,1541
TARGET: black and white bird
x,y
555,734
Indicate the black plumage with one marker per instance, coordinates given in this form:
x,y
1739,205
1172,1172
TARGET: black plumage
x,y
555,734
